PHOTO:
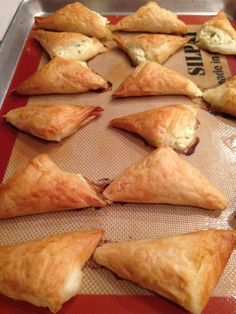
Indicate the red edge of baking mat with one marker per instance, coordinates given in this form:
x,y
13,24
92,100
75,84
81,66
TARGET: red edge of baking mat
x,y
89,304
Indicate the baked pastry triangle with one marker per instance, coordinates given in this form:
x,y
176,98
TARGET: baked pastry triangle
x,y
183,268
223,97
62,76
163,177
69,45
217,35
172,126
52,122
43,187
150,47
75,17
151,78
151,18
46,272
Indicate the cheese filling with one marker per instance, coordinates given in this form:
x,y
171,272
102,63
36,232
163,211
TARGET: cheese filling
x,y
78,50
138,55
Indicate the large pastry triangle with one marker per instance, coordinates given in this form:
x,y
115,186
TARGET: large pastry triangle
x,y
75,17
151,78
217,35
183,268
43,187
172,126
150,18
52,122
223,97
46,272
163,177
150,47
62,76
69,45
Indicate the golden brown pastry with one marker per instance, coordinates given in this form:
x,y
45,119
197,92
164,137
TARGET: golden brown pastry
x,y
52,122
151,18
172,126
183,268
150,47
69,45
163,177
151,78
223,97
43,187
46,272
75,17
218,35
62,76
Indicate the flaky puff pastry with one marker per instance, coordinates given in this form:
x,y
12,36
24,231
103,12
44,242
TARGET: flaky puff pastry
x,y
150,78
46,272
43,187
150,47
163,177
62,76
172,126
150,18
52,122
183,268
217,35
223,97
75,17
69,45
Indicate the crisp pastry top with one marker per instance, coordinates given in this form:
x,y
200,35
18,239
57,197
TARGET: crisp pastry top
x,y
172,126
151,78
223,97
52,122
69,45
46,272
183,268
218,35
43,187
150,18
62,76
150,47
75,17
163,177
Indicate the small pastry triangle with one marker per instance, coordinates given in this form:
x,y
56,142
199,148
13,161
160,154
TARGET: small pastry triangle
x,y
150,78
172,126
62,76
75,17
43,187
46,272
163,177
69,45
217,35
223,97
183,268
150,47
151,18
52,122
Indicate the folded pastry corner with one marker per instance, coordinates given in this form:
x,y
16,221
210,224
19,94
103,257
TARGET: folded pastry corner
x,y
184,268
47,272
62,76
43,187
69,45
150,78
173,126
217,35
163,177
151,18
52,122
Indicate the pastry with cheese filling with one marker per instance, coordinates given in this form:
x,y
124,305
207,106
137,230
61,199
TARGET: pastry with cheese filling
x,y
183,268
43,187
47,272
163,177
